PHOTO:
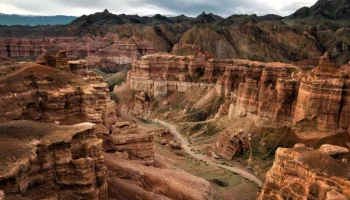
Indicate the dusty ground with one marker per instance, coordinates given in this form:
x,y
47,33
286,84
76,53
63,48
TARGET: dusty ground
x,y
226,184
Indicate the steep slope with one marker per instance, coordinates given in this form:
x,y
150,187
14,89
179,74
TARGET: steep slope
x,y
207,18
307,33
48,161
264,41
324,10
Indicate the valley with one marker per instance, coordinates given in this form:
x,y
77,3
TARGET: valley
x,y
128,107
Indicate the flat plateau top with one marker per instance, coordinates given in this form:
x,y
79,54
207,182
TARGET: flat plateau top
x,y
18,139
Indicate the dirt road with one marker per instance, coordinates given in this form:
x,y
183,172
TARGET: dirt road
x,y
186,147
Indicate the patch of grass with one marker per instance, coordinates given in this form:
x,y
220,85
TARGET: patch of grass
x,y
115,79
98,71
196,127
146,121
114,97
197,116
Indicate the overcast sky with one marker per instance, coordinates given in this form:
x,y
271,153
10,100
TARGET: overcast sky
x,y
149,7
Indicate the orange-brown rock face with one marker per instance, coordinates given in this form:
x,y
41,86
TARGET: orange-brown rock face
x,y
130,180
262,92
159,73
141,101
305,173
47,94
119,55
133,143
228,145
268,94
48,161
60,61
75,47
109,54
321,99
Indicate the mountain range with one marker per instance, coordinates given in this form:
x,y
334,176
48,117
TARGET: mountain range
x,y
307,33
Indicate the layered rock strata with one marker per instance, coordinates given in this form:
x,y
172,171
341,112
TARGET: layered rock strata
x,y
119,56
47,94
305,173
109,54
48,161
268,94
158,74
75,47
59,61
131,142
130,180
322,100
228,145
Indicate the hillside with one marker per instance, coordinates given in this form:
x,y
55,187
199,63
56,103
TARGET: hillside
x,y
307,33
336,11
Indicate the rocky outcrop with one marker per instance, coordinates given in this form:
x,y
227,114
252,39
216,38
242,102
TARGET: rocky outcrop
x,y
48,161
269,99
130,180
191,49
161,73
47,94
268,94
141,101
60,61
75,47
305,173
108,53
131,142
319,102
228,145
119,56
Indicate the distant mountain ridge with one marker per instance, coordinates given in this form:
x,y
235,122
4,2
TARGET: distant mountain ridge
x,y
307,33
32,20
321,11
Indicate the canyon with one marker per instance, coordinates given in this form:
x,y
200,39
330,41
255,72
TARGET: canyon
x,y
63,126
296,174
268,94
108,53
199,108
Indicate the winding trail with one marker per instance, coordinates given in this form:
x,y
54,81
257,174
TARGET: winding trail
x,y
185,146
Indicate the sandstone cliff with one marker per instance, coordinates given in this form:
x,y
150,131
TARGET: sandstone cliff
x,y
268,94
47,94
107,53
305,173
130,180
159,73
48,161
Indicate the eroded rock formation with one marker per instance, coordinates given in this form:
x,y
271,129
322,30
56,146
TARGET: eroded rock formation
x,y
161,73
321,98
228,145
108,53
305,173
268,94
48,161
135,144
130,180
47,94
119,56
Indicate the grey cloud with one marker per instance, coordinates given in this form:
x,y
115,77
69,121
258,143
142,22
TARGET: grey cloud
x,y
295,6
142,7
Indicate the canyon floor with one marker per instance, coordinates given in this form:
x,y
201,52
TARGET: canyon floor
x,y
230,180
125,107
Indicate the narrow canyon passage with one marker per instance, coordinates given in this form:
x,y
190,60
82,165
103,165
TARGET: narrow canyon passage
x,y
186,147
229,179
